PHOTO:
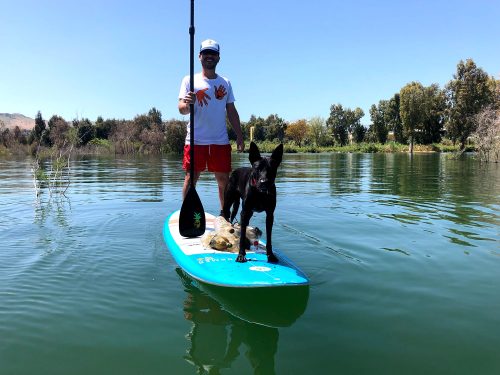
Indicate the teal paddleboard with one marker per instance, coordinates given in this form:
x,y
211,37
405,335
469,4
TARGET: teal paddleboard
x,y
220,267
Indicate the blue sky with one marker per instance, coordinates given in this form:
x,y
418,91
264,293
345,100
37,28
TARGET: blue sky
x,y
117,59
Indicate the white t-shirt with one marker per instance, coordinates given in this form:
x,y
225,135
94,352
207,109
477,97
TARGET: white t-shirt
x,y
212,95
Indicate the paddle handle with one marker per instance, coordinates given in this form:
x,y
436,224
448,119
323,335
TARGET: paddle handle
x,y
191,88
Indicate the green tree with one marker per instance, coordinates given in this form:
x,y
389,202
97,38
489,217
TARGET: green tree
x,y
84,131
98,126
433,115
275,128
412,109
38,130
318,132
353,119
470,91
377,115
104,128
175,136
337,124
155,116
358,133
392,118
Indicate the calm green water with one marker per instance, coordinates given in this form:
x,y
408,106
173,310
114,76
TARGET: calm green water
x,y
403,256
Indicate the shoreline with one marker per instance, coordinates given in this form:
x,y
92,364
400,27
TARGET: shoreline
x,y
265,147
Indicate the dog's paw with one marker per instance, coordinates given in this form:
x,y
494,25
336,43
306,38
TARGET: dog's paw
x,y
241,258
271,258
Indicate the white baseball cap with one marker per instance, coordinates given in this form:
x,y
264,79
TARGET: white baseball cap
x,y
209,44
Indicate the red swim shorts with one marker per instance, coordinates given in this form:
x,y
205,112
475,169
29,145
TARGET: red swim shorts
x,y
215,158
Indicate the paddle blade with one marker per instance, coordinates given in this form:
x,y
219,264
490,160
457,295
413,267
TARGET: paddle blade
x,y
192,215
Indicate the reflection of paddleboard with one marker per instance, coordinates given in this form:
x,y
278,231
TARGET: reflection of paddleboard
x,y
270,307
220,268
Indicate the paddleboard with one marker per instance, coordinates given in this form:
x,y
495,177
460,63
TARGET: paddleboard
x,y
220,267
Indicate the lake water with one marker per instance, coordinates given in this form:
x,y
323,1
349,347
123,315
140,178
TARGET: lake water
x,y
403,256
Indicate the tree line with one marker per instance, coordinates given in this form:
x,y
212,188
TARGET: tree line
x,y
146,133
424,115
415,114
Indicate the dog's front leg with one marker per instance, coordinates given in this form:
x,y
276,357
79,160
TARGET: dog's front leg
x,y
271,258
245,219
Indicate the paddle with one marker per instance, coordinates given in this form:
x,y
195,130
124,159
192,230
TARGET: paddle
x,y
192,215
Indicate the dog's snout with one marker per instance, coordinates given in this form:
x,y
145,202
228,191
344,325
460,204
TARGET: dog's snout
x,y
263,184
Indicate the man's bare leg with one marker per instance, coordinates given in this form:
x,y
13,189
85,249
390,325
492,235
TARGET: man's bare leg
x,y
222,180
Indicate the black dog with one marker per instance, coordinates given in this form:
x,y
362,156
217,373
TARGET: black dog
x,y
255,187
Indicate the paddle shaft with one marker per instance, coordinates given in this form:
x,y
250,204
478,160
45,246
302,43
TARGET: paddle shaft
x,y
192,221
191,106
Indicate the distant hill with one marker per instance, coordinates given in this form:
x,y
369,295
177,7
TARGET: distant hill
x,y
11,120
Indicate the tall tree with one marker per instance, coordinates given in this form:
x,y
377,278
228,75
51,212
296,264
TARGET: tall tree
x,y
470,91
337,124
411,109
433,115
377,115
39,129
392,118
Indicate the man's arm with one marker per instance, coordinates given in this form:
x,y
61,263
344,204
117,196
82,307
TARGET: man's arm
x,y
184,103
234,120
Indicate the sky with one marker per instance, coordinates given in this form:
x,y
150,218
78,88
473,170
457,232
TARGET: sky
x,y
119,59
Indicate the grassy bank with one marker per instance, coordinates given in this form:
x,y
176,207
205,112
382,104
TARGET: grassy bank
x,y
361,148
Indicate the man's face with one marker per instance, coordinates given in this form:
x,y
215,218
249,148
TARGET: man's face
x,y
209,59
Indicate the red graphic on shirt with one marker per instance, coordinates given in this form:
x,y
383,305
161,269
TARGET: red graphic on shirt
x,y
220,92
202,97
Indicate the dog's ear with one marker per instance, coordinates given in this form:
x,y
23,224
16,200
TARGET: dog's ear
x,y
254,154
277,156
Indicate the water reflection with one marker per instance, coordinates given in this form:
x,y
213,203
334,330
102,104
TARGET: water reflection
x,y
227,325
59,205
433,193
431,184
141,178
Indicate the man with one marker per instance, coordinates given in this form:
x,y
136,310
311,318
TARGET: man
x,y
213,98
